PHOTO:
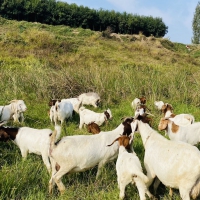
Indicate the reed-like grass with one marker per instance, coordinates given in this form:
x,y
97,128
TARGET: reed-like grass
x,y
39,62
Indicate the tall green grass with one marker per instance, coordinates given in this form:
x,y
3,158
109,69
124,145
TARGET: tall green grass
x,y
39,62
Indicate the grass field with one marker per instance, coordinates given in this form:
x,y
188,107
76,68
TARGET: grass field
x,y
39,62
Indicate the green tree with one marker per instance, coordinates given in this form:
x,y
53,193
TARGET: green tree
x,y
196,25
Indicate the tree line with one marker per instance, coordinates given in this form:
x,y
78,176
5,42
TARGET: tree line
x,y
61,13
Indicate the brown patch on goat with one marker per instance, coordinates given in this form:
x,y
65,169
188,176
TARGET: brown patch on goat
x,y
172,115
163,124
142,100
8,133
53,101
166,107
4,136
57,167
93,128
145,119
175,128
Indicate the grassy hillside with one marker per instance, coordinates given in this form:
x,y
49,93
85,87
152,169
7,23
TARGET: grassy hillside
x,y
39,62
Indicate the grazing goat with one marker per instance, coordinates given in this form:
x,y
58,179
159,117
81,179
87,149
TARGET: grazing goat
x,y
129,169
87,116
14,110
81,152
61,111
90,98
187,133
52,102
30,140
74,101
138,101
175,164
93,128
180,119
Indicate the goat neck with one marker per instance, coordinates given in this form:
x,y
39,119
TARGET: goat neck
x,y
145,131
122,149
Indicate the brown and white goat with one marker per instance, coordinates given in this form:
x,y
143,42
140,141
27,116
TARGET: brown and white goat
x,y
93,128
129,169
138,101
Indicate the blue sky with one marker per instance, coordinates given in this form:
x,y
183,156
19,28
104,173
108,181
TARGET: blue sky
x,y
176,14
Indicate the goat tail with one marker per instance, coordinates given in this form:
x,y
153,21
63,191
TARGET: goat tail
x,y
195,189
142,176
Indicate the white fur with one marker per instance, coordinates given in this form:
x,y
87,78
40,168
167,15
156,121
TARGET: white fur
x,y
75,103
129,170
14,110
81,152
90,98
180,119
62,111
175,164
159,104
30,140
87,116
139,110
187,133
51,114
136,102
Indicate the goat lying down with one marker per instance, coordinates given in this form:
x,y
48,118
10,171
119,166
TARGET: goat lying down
x,y
81,152
30,140
175,164
129,169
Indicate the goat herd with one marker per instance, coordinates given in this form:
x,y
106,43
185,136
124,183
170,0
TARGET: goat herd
x,y
174,162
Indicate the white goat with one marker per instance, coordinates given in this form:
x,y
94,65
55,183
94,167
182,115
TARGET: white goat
x,y
129,169
62,111
90,98
76,103
175,164
14,110
81,152
188,133
30,140
180,119
87,116
138,101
